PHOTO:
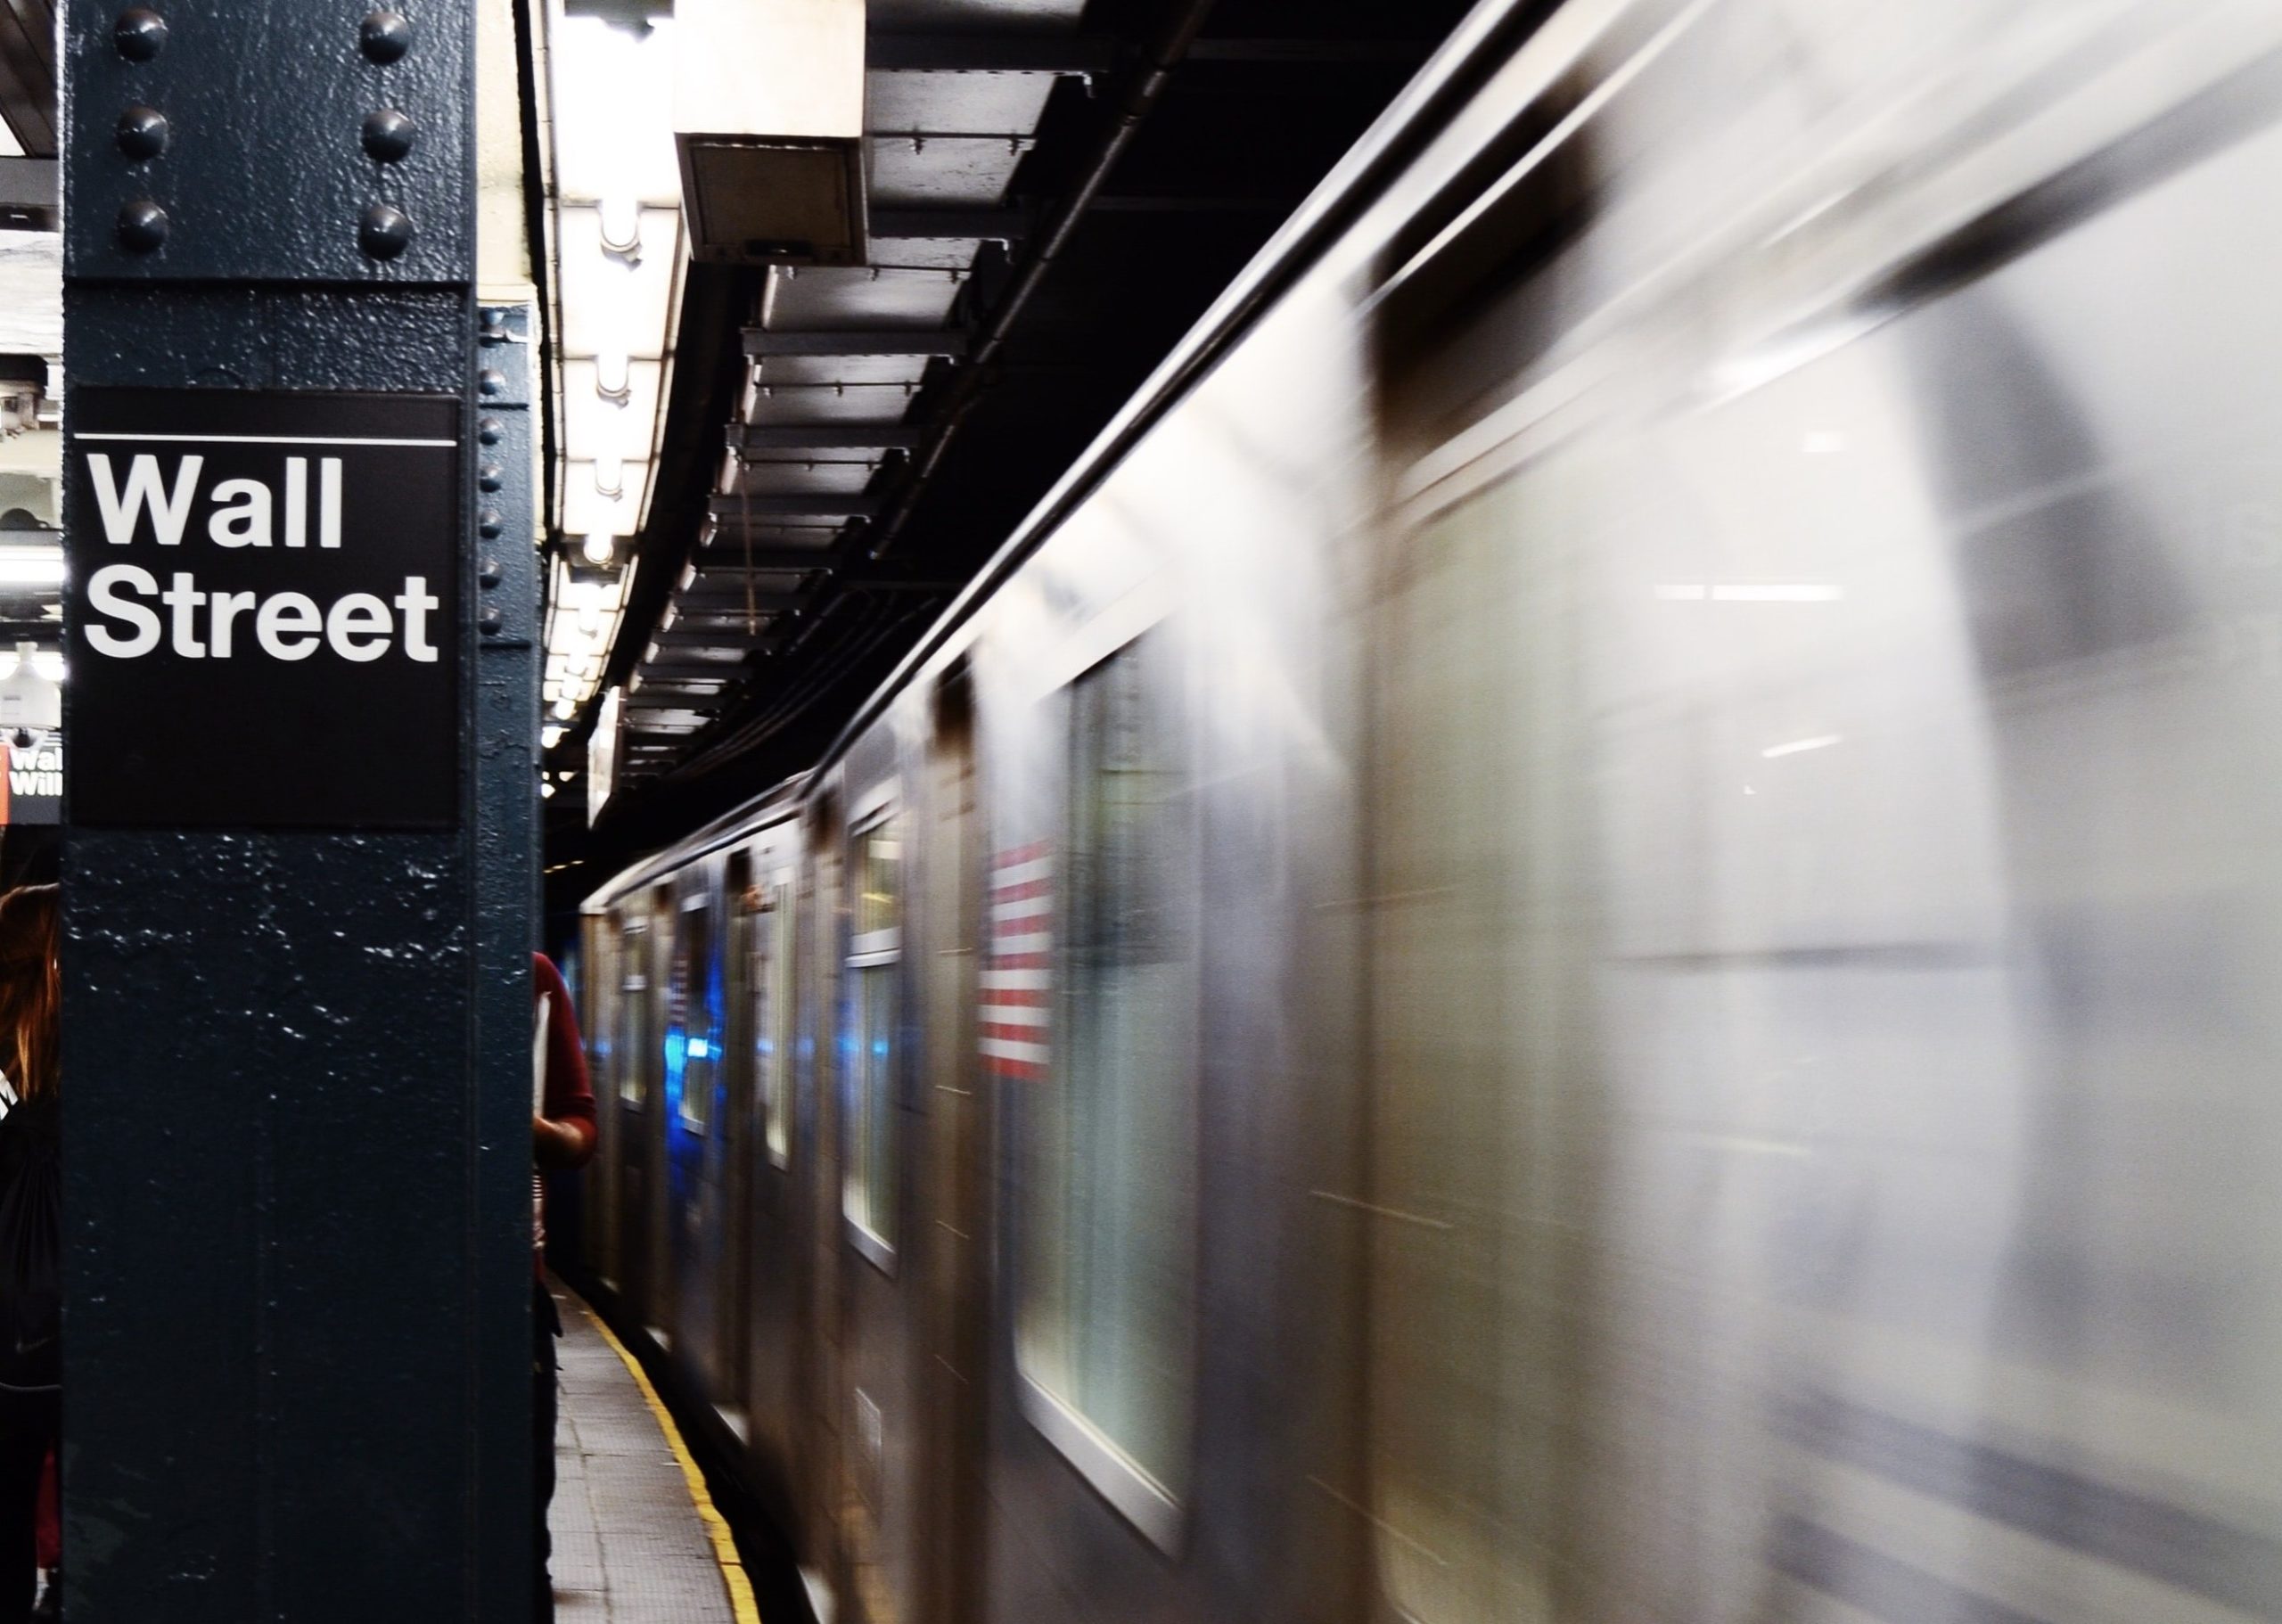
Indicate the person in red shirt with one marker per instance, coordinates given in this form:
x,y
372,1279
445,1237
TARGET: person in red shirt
x,y
562,1139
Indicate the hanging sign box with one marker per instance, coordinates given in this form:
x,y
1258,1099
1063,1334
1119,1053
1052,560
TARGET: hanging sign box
x,y
263,614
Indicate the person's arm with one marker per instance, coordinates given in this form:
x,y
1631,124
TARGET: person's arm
x,y
563,1134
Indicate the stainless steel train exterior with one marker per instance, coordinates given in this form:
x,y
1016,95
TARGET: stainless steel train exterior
x,y
1591,930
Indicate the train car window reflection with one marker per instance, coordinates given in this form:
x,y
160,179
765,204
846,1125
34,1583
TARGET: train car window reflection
x,y
775,1025
874,951
1107,1282
693,1033
634,1050
771,984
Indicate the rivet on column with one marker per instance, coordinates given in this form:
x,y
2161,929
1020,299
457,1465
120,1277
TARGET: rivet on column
x,y
384,232
388,135
142,132
140,34
384,37
141,226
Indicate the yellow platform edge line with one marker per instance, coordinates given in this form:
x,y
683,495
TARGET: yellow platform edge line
x,y
734,1578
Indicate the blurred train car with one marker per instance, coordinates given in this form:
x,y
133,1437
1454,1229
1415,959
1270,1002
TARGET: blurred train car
x,y
1589,930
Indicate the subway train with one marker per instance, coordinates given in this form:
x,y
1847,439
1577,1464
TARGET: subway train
x,y
1591,928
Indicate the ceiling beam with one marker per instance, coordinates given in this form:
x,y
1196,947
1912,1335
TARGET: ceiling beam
x,y
761,344
949,224
30,183
725,593
826,436
886,52
1409,52
731,512
1173,202
650,698
672,672
774,561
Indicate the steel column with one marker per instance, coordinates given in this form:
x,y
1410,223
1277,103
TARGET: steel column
x,y
297,1063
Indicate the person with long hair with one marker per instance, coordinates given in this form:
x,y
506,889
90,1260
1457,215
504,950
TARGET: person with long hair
x,y
31,997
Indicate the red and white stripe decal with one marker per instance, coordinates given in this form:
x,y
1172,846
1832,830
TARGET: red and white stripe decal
x,y
1017,978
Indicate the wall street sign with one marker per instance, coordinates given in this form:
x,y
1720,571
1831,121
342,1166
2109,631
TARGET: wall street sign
x,y
263,610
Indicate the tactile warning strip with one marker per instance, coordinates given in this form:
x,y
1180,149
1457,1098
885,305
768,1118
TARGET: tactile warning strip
x,y
629,1547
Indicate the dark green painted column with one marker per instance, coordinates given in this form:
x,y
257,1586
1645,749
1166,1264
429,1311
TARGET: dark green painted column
x,y
297,1061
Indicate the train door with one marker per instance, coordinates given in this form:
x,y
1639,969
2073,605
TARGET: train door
x,y
734,1144
697,1169
599,1233
953,1373
771,957
880,1251
817,1164
658,1266
630,1148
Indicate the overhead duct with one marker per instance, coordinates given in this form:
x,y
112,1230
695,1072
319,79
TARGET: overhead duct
x,y
768,120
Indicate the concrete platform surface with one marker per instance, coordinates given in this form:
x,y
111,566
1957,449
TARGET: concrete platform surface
x,y
630,1545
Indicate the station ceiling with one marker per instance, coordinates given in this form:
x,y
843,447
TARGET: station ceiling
x,y
1058,189
28,100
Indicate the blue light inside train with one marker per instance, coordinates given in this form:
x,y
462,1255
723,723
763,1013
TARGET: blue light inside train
x,y
676,1064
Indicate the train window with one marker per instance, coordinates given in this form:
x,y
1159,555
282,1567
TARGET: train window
x,y
634,1016
1105,1334
693,1033
876,949
776,1069
770,981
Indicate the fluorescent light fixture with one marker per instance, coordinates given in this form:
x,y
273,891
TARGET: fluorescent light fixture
x,y
1779,592
612,379
581,623
1751,592
621,225
549,736
31,566
618,271
1800,746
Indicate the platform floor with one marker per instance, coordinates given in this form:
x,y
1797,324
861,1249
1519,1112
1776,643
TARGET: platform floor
x,y
629,1547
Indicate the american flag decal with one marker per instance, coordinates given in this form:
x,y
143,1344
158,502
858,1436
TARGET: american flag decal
x,y
1017,978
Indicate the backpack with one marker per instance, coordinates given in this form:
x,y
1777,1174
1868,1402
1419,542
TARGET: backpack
x,y
31,1253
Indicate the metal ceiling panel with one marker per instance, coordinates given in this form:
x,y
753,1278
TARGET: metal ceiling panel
x,y
807,403
988,103
28,73
924,253
780,478
973,170
914,16
782,372
829,300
